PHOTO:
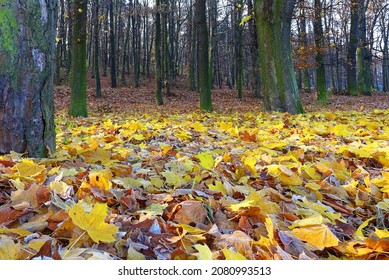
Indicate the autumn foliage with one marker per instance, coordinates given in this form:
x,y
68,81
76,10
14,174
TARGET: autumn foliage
x,y
202,186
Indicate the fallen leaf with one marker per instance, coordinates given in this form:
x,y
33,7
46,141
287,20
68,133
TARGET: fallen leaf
x,y
93,221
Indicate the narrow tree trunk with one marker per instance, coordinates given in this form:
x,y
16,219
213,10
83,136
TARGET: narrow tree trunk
x,y
352,85
192,52
239,48
158,60
27,50
363,53
321,84
306,85
96,47
113,45
273,20
203,59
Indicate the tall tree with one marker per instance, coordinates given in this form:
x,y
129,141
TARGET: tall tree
x,y
158,58
273,21
255,63
239,47
306,85
78,106
321,85
203,56
113,45
27,44
96,47
352,84
363,52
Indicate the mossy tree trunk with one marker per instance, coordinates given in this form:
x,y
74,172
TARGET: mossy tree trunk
x,y
78,105
27,53
255,63
112,38
273,21
203,56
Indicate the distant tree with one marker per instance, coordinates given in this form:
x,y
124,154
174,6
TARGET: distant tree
x,y
113,45
352,84
321,84
78,106
158,58
203,56
96,63
27,44
273,21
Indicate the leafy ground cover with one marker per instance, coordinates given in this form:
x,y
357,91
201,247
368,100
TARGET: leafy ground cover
x,y
234,184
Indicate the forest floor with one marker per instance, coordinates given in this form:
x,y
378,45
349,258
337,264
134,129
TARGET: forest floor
x,y
138,181
130,99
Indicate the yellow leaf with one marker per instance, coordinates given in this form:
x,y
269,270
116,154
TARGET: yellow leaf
x,y
204,252
173,179
8,249
19,231
101,179
319,236
157,182
311,221
80,10
250,162
98,155
381,233
255,199
384,205
231,255
206,160
154,209
28,168
293,180
358,233
218,187
382,182
313,186
93,222
199,127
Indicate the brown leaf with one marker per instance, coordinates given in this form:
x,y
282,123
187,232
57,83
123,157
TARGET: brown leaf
x,y
190,212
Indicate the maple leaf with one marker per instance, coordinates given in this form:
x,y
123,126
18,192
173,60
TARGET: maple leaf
x,y
319,236
93,221
206,160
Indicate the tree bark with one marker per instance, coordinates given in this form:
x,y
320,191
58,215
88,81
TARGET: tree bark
x,y
352,85
158,59
321,84
96,47
203,59
27,50
273,20
78,105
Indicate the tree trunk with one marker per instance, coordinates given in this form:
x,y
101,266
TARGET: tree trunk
x,y
255,63
239,48
321,85
363,53
158,59
352,85
273,20
306,85
27,46
78,105
192,52
203,59
96,47
113,45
